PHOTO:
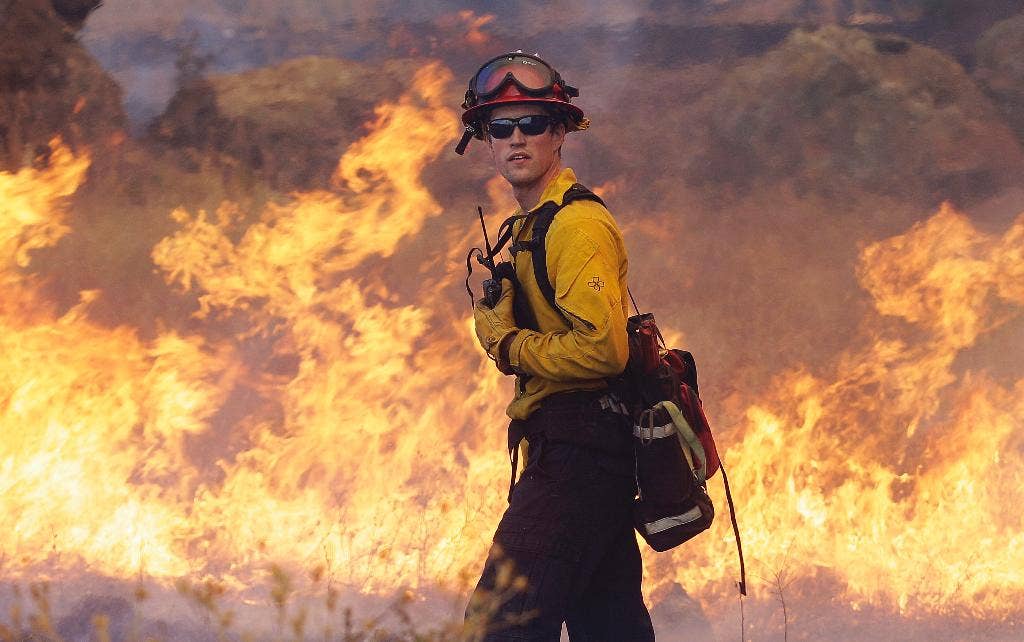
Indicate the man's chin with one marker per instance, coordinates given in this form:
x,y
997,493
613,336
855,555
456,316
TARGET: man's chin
x,y
521,178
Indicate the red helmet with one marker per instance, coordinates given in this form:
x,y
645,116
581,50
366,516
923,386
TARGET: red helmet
x,y
515,78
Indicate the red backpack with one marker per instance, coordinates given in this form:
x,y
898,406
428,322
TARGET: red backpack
x,y
674,448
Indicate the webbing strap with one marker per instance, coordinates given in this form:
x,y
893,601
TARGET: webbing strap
x,y
742,584
647,433
539,254
653,432
505,233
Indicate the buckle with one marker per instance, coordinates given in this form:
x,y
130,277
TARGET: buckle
x,y
611,402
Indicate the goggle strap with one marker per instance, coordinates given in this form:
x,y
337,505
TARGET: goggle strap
x,y
467,136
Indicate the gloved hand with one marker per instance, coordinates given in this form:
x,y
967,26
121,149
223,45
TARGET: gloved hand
x,y
495,324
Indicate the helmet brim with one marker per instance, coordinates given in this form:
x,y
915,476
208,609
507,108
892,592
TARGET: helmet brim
x,y
474,115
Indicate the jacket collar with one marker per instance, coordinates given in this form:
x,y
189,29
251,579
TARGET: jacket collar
x,y
557,187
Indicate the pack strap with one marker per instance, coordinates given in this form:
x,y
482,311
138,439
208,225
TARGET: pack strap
x,y
539,254
650,433
543,216
742,584
505,231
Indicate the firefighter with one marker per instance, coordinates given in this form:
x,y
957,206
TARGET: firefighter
x,y
564,550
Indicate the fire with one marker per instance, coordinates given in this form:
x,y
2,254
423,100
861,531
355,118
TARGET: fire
x,y
894,472
475,24
30,216
362,465
319,416
470,26
85,410
343,446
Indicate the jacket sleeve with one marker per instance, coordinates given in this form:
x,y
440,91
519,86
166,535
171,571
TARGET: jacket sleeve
x,y
584,258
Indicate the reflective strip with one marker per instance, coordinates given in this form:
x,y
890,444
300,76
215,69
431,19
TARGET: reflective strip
x,y
654,432
666,523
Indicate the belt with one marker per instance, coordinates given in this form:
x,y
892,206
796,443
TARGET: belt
x,y
597,399
541,422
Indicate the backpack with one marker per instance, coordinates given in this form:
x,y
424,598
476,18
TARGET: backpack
x,y
674,448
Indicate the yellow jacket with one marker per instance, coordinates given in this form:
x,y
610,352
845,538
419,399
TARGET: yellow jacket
x,y
586,261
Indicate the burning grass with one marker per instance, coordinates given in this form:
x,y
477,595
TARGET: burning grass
x,y
305,392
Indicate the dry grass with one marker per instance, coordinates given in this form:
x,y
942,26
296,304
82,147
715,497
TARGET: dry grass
x,y
295,621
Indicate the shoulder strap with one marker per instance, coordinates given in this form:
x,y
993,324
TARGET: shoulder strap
x,y
543,217
505,233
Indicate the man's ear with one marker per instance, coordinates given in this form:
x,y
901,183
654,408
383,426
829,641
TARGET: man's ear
x,y
558,131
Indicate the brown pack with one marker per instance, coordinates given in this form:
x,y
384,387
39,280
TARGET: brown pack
x,y
674,448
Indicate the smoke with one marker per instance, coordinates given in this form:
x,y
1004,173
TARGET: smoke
x,y
139,41
242,331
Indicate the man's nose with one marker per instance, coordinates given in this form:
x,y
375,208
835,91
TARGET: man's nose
x,y
518,137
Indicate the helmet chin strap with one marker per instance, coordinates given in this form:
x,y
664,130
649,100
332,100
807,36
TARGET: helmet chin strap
x,y
467,136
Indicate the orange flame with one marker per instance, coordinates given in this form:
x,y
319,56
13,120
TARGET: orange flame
x,y
369,436
92,419
30,214
353,454
469,25
894,473
475,24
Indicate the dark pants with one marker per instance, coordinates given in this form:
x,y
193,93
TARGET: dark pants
x,y
565,550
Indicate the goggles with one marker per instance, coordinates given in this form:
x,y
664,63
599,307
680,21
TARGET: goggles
x,y
530,74
530,125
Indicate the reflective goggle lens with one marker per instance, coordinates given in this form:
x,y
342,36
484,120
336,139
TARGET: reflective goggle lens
x,y
529,73
529,125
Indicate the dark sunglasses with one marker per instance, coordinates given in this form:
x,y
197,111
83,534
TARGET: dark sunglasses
x,y
529,125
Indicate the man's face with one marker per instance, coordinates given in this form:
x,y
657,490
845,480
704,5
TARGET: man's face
x,y
523,160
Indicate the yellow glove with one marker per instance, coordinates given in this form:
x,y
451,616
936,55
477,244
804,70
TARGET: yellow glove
x,y
495,324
